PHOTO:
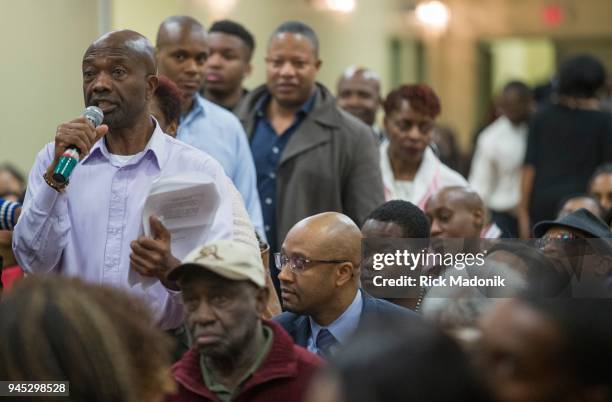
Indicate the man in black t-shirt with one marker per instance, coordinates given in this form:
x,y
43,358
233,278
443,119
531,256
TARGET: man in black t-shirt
x,y
567,141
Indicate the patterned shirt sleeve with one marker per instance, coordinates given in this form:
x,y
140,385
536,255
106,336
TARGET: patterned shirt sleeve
x,y
8,214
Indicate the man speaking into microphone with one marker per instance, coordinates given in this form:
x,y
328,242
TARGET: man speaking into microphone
x,y
90,225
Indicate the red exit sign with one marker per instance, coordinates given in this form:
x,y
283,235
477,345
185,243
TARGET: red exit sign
x,y
552,15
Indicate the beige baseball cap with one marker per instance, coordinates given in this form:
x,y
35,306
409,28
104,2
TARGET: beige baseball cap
x,y
227,258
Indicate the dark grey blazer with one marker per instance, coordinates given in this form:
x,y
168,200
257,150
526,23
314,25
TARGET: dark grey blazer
x,y
298,326
331,163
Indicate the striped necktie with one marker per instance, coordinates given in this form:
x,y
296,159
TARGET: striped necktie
x,y
325,342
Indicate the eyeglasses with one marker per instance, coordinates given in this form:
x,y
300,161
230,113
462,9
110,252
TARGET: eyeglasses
x,y
562,239
298,264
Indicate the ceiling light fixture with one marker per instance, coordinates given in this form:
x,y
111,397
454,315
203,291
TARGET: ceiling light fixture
x,y
434,14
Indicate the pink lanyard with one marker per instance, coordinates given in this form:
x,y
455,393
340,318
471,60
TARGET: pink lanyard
x,y
432,189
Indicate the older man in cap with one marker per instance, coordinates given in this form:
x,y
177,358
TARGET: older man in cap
x,y
236,356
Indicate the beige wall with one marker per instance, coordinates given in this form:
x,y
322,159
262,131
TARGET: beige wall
x,y
358,38
41,43
452,57
530,60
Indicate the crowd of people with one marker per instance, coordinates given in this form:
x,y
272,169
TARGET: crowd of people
x,y
277,302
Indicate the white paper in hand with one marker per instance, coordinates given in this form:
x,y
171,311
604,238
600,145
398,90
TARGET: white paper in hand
x,y
186,204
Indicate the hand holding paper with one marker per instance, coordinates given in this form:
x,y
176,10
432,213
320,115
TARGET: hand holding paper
x,y
177,217
152,256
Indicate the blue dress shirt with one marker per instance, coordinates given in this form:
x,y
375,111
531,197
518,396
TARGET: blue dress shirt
x,y
343,327
214,130
267,146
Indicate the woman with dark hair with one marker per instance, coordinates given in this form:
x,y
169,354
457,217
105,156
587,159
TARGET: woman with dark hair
x,y
567,141
410,169
166,105
12,183
68,337
100,340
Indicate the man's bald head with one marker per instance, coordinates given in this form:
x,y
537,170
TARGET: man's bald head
x,y
332,234
358,92
456,212
354,72
461,197
329,246
181,52
128,43
120,77
173,28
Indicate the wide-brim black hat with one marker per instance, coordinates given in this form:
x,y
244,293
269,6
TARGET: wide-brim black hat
x,y
581,220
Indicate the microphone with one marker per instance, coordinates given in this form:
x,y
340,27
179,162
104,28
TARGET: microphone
x,y
71,156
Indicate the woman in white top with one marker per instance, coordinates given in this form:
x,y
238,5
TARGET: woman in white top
x,y
410,169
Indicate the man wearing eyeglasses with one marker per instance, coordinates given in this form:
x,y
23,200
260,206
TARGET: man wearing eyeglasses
x,y
310,155
580,246
319,266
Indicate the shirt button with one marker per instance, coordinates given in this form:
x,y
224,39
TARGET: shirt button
x,y
267,227
272,175
275,150
268,201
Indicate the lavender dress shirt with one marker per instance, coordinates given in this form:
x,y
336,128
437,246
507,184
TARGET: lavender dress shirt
x,y
86,231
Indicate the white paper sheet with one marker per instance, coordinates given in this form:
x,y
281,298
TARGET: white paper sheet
x,y
186,204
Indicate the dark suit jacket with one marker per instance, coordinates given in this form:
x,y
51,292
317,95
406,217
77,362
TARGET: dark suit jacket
x,y
330,163
298,326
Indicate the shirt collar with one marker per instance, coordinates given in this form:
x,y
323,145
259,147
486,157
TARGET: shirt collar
x,y
260,106
511,126
218,388
345,325
156,146
198,106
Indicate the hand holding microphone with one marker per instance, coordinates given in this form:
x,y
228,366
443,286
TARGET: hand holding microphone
x,y
73,140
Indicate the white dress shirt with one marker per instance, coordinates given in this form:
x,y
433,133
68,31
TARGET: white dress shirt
x,y
496,168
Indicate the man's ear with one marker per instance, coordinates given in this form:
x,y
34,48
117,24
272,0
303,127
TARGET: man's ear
x,y
152,83
248,70
344,273
261,300
318,64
